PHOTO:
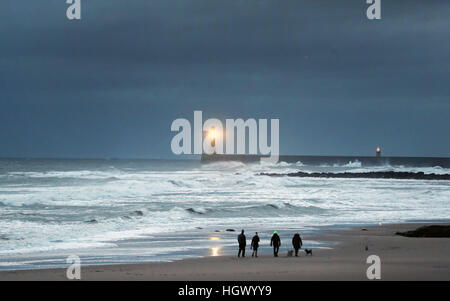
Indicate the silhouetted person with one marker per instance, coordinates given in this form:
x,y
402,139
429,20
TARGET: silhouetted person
x,y
275,242
242,242
297,243
255,245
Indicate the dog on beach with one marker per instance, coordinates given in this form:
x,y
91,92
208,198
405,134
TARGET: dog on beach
x,y
290,253
308,251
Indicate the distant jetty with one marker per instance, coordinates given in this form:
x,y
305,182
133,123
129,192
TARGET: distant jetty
x,y
339,160
365,175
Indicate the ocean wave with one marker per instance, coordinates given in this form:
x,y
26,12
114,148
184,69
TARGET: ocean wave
x,y
255,210
199,210
81,174
39,212
355,163
299,163
179,183
32,206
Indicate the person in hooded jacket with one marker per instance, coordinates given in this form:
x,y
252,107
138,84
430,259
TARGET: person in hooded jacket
x,y
275,241
255,245
242,243
297,243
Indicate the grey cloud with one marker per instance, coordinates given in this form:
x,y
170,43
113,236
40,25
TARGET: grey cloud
x,y
338,82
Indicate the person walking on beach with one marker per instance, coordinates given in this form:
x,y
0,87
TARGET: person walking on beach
x,y
242,242
255,245
275,242
297,243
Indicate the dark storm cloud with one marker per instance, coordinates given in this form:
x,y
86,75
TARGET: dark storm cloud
x,y
111,84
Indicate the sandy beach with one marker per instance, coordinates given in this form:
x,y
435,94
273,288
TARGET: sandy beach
x,y
402,258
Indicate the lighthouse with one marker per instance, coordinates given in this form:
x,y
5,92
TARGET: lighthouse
x,y
378,152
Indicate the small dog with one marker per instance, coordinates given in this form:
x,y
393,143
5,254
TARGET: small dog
x,y
308,251
290,253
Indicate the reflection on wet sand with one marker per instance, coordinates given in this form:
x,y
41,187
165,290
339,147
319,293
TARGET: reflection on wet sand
x,y
215,251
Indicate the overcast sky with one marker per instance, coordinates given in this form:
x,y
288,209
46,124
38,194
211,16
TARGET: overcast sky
x,y
111,84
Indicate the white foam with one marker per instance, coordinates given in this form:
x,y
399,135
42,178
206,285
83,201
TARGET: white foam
x,y
53,216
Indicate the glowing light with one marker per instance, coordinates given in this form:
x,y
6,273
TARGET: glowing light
x,y
215,251
214,238
378,149
212,133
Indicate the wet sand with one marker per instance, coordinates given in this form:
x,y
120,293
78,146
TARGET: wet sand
x,y
402,258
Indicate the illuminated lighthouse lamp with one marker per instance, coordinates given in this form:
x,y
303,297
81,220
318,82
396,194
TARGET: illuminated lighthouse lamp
x,y
378,152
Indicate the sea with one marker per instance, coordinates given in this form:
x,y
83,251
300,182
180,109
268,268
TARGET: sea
x,y
136,211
